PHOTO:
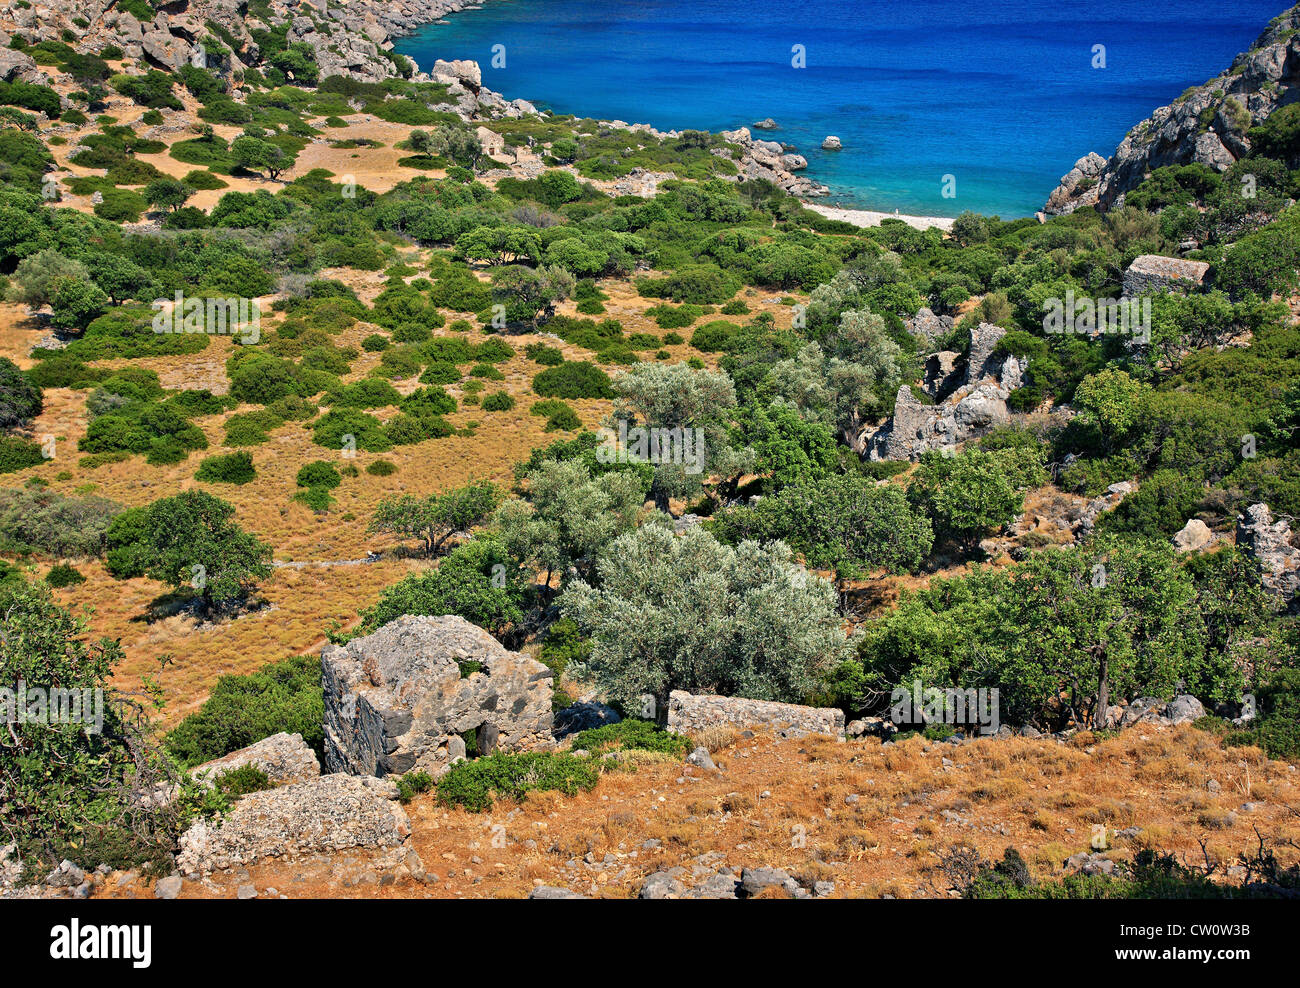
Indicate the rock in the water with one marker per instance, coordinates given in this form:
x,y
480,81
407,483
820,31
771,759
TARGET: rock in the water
x,y
321,815
831,143
1209,124
401,698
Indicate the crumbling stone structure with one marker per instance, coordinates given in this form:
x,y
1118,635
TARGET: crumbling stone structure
x,y
688,713
403,697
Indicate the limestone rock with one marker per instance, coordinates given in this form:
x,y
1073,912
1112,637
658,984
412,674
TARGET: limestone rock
x,y
553,892
1194,536
322,815
168,888
1273,545
583,716
285,758
1154,273
831,143
688,713
401,698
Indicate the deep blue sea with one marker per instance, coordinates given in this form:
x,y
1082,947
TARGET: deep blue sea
x,y
1000,94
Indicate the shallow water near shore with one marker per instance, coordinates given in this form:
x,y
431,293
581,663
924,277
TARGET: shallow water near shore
x,y
1001,95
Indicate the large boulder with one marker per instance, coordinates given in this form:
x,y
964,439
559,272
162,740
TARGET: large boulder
x,y
401,698
1194,536
320,816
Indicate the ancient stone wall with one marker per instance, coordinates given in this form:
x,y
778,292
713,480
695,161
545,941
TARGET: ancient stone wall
x,y
688,713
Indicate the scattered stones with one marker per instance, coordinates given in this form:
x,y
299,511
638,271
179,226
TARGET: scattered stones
x,y
755,880
1090,864
661,885
246,892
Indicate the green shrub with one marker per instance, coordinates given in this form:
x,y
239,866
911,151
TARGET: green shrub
x,y
241,781
559,416
381,468
228,468
475,784
412,784
498,401
319,473
240,710
628,735
63,575
575,379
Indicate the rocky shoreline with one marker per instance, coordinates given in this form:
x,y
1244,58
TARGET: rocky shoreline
x,y
1208,124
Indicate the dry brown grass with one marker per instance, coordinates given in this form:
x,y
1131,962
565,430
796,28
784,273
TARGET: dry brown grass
x,y
779,805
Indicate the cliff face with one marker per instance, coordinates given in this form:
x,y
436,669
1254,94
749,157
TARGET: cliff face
x,y
349,37
1207,124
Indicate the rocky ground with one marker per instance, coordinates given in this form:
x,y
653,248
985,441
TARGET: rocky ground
x,y
805,817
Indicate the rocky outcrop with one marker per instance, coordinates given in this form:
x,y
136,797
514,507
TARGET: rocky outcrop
x,y
969,400
770,161
1272,544
320,816
929,327
1153,273
1208,124
347,38
401,698
285,758
688,713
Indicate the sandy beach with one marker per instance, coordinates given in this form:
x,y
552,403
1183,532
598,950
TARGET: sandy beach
x,y
868,217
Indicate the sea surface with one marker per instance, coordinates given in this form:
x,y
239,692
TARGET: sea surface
x,y
1001,95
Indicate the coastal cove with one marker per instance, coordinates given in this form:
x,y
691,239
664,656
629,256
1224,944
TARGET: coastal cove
x,y
993,95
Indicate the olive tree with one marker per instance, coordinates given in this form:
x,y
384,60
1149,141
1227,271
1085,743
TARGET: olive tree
x,y
686,612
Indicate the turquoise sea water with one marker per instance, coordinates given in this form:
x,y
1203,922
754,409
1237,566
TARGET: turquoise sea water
x,y
1002,95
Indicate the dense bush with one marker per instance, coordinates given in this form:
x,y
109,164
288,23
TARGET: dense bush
x,y
577,379
474,785
228,468
240,710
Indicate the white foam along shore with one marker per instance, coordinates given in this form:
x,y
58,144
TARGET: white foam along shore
x,y
869,217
